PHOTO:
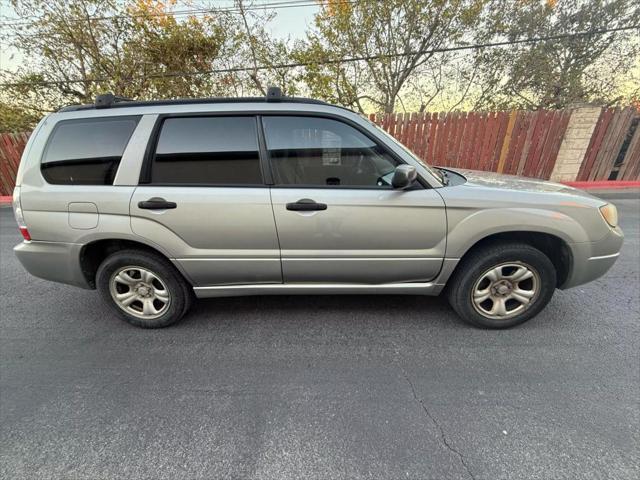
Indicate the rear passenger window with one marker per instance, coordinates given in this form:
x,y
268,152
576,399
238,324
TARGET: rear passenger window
x,y
207,151
87,151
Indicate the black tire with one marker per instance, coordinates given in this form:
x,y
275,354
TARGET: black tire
x,y
475,266
180,292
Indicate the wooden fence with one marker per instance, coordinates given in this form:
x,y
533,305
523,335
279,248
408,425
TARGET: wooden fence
x,y
614,149
518,142
11,147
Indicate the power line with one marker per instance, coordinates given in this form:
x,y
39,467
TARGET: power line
x,y
176,13
276,5
334,61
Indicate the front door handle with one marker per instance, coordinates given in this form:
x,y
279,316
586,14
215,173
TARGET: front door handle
x,y
306,205
156,203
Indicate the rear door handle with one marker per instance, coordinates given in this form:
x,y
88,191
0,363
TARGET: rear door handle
x,y
156,203
306,205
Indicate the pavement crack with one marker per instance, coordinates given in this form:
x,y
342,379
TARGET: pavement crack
x,y
443,436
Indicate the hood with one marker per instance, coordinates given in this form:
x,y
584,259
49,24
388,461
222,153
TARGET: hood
x,y
476,178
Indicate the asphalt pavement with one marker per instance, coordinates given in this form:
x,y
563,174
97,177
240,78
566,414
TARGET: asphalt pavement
x,y
380,387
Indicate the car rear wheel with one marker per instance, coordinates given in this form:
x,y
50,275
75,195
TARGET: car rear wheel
x,y
502,285
145,289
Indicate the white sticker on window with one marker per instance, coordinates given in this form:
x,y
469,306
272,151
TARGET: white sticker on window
x,y
331,151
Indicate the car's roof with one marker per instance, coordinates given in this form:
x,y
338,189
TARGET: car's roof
x,y
191,101
274,95
245,106
111,105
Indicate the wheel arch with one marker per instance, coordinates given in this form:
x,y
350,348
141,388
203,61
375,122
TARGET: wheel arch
x,y
554,247
93,254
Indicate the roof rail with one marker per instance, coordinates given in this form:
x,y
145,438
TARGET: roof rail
x,y
109,100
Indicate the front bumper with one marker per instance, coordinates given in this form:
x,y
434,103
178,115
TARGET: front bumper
x,y
55,261
591,260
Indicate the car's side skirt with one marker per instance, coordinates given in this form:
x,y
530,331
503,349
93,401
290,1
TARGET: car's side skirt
x,y
319,289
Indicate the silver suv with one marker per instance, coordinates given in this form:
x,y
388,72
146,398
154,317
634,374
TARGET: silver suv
x,y
157,203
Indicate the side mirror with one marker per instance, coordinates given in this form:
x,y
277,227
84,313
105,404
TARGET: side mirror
x,y
403,176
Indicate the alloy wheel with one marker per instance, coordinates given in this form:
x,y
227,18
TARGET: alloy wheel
x,y
139,292
505,290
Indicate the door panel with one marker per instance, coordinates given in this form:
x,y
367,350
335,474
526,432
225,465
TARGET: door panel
x,y
205,201
363,236
219,235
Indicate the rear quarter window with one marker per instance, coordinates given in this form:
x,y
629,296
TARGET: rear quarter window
x,y
86,151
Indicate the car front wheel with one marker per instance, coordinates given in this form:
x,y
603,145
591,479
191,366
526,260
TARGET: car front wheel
x,y
502,285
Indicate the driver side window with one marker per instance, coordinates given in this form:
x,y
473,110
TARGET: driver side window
x,y
324,152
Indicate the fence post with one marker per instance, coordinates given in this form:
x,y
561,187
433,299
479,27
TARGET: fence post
x,y
575,143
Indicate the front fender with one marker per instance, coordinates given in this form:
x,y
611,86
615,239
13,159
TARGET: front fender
x,y
467,227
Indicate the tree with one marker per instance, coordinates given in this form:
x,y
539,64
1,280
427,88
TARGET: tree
x,y
260,50
395,40
16,119
76,49
379,55
558,72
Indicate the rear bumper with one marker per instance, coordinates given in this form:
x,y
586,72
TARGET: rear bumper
x,y
591,260
55,261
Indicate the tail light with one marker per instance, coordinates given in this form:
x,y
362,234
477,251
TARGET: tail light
x,y
17,211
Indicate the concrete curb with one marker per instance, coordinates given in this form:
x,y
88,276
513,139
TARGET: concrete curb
x,y
619,194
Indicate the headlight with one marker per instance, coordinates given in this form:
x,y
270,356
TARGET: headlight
x,y
610,214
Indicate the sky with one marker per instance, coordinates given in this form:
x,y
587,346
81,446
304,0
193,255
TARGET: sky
x,y
288,22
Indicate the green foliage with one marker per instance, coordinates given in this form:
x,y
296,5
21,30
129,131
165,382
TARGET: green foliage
x,y
129,48
370,28
137,49
260,49
15,119
560,72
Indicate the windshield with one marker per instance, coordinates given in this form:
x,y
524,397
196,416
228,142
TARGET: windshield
x,y
436,173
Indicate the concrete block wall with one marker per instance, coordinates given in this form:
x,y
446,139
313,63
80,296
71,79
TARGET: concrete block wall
x,y
575,143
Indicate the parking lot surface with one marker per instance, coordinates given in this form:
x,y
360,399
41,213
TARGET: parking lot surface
x,y
321,387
